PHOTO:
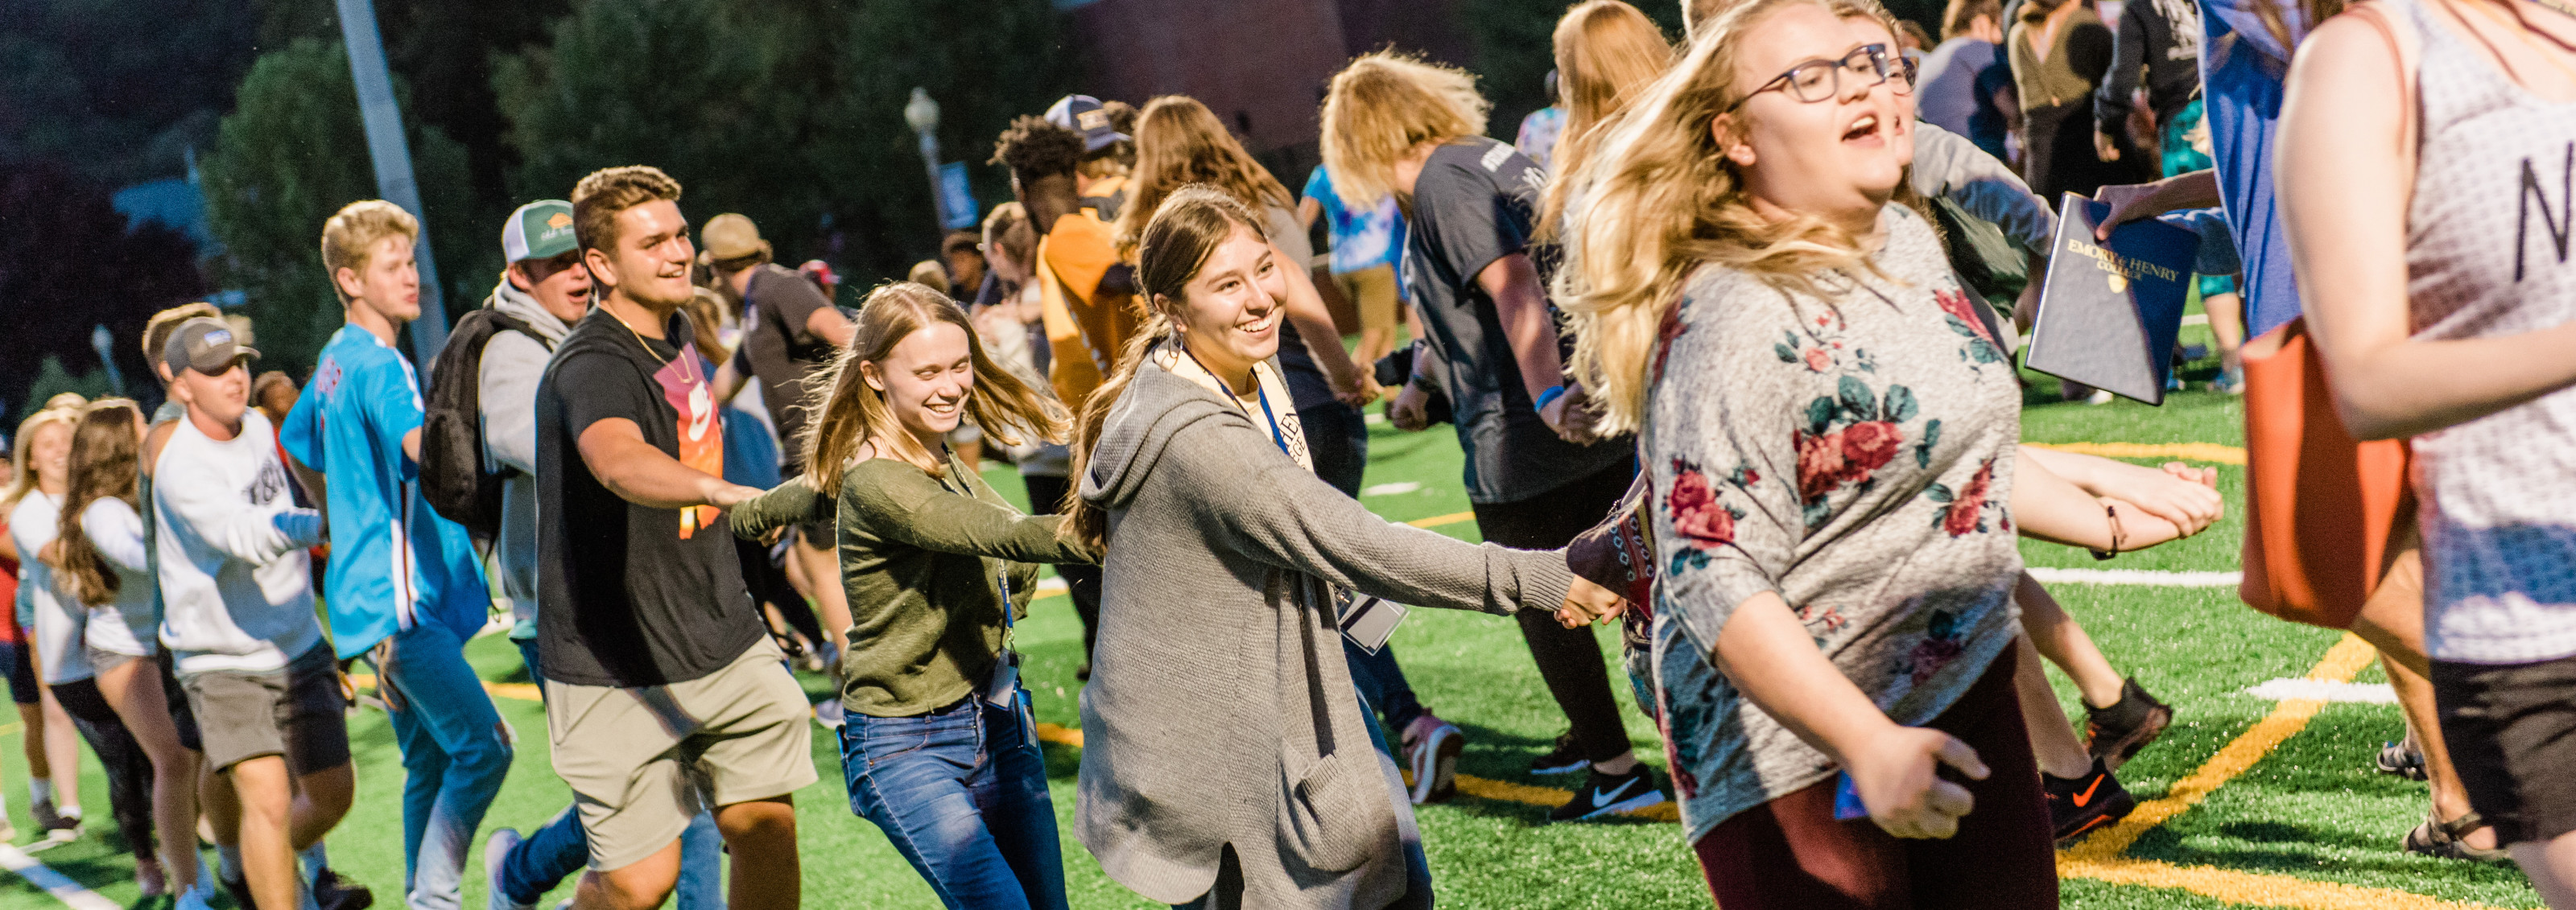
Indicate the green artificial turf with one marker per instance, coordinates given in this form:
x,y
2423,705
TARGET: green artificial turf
x,y
2312,810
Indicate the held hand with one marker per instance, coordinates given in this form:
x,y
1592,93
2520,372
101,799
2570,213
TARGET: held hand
x,y
1410,409
1570,415
2104,148
1895,773
1358,392
2176,494
1587,603
2134,201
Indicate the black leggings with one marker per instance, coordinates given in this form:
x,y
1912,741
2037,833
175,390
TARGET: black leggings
x,y
1568,659
129,770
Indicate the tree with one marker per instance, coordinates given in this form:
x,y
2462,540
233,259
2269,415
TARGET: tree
x,y
789,112
294,151
53,379
69,263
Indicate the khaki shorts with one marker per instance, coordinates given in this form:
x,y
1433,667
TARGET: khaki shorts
x,y
1372,290
643,761
297,712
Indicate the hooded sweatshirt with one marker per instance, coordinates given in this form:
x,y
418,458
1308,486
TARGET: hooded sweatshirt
x,y
512,364
1220,709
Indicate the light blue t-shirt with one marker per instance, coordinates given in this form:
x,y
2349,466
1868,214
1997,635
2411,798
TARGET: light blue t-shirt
x,y
2243,72
394,560
1362,239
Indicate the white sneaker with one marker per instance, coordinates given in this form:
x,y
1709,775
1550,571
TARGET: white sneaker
x,y
828,713
496,854
2099,397
1431,748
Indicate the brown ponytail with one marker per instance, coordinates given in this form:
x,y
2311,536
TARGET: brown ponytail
x,y
106,452
1175,243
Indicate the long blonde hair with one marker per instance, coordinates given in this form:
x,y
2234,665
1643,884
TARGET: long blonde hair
x,y
1185,229
854,414
1179,142
22,477
1607,53
1380,107
107,455
1659,198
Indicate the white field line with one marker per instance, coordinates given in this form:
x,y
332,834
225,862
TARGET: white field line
x,y
2137,577
2196,319
1391,489
1051,585
63,889
2325,690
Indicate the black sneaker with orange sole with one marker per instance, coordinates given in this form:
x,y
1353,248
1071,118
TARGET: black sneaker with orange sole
x,y
2080,806
2117,733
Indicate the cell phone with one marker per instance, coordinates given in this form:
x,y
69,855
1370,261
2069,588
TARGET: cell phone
x,y
1369,621
1847,804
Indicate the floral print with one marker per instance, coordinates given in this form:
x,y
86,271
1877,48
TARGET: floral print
x,y
1850,452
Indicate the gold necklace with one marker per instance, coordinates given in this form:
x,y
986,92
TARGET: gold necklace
x,y
691,370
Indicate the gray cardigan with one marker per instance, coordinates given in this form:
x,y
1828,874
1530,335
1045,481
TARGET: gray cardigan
x,y
1220,710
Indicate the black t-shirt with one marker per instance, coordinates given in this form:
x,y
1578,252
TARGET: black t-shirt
x,y
780,352
1476,202
629,595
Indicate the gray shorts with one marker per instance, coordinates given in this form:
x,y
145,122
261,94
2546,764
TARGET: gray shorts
x,y
298,712
642,761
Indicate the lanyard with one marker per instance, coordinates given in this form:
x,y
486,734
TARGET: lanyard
x,y
1260,392
1003,577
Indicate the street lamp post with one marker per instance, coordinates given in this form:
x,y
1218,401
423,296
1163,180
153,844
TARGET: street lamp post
x,y
923,114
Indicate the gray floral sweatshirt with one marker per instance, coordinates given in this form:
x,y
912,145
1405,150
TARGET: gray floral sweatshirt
x,y
1852,453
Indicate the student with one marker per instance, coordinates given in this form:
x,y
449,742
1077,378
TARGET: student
x,y
1535,473
1108,152
238,618
1086,297
2446,314
216,802
664,693
405,588
2058,52
22,682
790,329
1952,91
939,749
1223,529
103,562
546,288
1751,201
41,455
1366,245
1180,143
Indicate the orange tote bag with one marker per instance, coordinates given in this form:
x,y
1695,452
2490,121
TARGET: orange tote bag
x,y
2321,506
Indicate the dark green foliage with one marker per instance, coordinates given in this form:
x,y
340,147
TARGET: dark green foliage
x,y
790,113
1515,49
292,152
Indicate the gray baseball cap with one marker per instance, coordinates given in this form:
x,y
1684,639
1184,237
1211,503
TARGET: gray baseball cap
x,y
204,345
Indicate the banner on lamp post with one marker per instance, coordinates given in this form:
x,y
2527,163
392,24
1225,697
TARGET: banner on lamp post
x,y
956,199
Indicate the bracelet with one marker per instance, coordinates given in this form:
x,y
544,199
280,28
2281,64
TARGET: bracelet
x,y
2119,536
1550,394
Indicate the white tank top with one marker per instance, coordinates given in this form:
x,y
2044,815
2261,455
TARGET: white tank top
x,y
2488,254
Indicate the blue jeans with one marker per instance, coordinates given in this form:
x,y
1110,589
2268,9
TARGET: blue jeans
x,y
557,851
962,792
453,752
1381,682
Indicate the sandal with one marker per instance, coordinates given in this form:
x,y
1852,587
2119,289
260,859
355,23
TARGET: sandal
x,y
2401,759
2439,838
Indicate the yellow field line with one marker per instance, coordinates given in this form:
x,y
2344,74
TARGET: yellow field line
x,y
2252,888
1438,520
2192,451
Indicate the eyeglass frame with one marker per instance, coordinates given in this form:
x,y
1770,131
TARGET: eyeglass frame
x,y
1888,64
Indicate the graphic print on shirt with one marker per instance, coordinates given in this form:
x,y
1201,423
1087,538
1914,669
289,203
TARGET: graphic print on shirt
x,y
2560,225
701,430
265,486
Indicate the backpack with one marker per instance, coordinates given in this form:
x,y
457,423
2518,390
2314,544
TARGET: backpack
x,y
452,477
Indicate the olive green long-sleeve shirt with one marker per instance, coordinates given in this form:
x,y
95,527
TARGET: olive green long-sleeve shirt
x,y
922,558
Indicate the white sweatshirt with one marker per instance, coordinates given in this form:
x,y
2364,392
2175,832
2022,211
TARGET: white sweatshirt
x,y
117,532
58,632
236,586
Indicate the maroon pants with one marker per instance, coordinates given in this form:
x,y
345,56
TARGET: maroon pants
x,y
1792,853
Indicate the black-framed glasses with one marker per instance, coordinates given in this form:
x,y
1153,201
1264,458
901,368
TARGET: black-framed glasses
x,y
1820,79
